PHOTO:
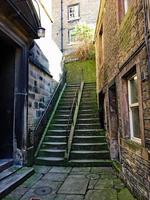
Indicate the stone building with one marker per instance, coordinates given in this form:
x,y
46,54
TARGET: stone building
x,y
66,15
123,87
19,24
41,86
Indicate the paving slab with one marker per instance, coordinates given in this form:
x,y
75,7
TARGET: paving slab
x,y
17,193
102,170
103,184
69,197
60,169
55,176
67,183
74,184
101,195
46,183
41,169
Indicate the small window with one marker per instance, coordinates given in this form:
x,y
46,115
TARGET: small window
x,y
71,36
126,5
134,108
73,12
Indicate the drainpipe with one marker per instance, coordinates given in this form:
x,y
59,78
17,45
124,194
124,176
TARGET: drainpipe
x,y
146,32
62,27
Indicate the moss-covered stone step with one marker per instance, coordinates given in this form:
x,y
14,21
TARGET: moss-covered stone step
x,y
89,138
101,154
90,163
90,146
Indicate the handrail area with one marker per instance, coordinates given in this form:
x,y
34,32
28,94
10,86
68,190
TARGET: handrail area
x,y
72,120
48,112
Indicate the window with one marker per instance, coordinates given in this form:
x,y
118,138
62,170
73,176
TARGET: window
x,y
71,36
122,6
73,12
101,46
134,108
126,5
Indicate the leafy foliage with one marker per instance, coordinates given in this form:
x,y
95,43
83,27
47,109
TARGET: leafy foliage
x,y
85,49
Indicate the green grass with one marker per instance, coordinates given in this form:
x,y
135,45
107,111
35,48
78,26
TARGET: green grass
x,y
81,70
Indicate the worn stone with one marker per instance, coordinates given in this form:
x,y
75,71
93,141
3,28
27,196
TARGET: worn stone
x,y
124,194
101,195
74,184
55,176
69,197
60,169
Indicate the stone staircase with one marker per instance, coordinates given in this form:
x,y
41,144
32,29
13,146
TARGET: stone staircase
x,y
12,176
89,146
53,146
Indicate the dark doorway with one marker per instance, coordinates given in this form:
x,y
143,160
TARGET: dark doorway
x,y
7,81
101,110
113,111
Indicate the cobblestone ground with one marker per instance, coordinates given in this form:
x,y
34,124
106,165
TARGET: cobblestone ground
x,y
66,183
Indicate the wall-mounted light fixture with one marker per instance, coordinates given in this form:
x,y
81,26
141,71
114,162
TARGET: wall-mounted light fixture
x,y
40,30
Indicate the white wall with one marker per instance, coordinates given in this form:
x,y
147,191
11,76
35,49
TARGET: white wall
x,y
46,44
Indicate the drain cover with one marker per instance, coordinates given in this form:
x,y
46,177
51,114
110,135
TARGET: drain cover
x,y
42,191
93,176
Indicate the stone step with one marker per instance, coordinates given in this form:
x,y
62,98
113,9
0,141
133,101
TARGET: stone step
x,y
103,154
9,171
87,107
67,102
86,111
90,163
59,126
50,161
88,139
61,116
90,146
88,102
89,132
54,145
51,153
60,120
56,138
92,115
87,120
88,126
56,132
5,163
62,111
13,180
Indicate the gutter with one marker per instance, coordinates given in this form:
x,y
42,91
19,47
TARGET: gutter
x,y
146,32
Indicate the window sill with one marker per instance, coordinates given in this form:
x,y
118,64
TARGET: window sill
x,y
72,20
136,140
72,43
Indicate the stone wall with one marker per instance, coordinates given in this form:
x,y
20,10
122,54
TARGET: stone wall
x,y
124,50
41,88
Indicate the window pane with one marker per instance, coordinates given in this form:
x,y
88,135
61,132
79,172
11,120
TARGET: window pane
x,y
135,122
73,12
133,90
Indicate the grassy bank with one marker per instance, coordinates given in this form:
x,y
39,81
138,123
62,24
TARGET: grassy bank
x,y
81,70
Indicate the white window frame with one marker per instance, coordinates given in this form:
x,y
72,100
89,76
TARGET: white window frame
x,y
75,8
126,5
69,36
132,105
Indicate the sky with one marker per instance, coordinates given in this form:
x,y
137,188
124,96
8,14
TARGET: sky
x,y
47,45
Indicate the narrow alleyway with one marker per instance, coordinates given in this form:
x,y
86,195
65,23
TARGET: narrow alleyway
x,y
66,183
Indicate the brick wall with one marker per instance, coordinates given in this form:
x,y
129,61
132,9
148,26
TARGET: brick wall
x,y
124,50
